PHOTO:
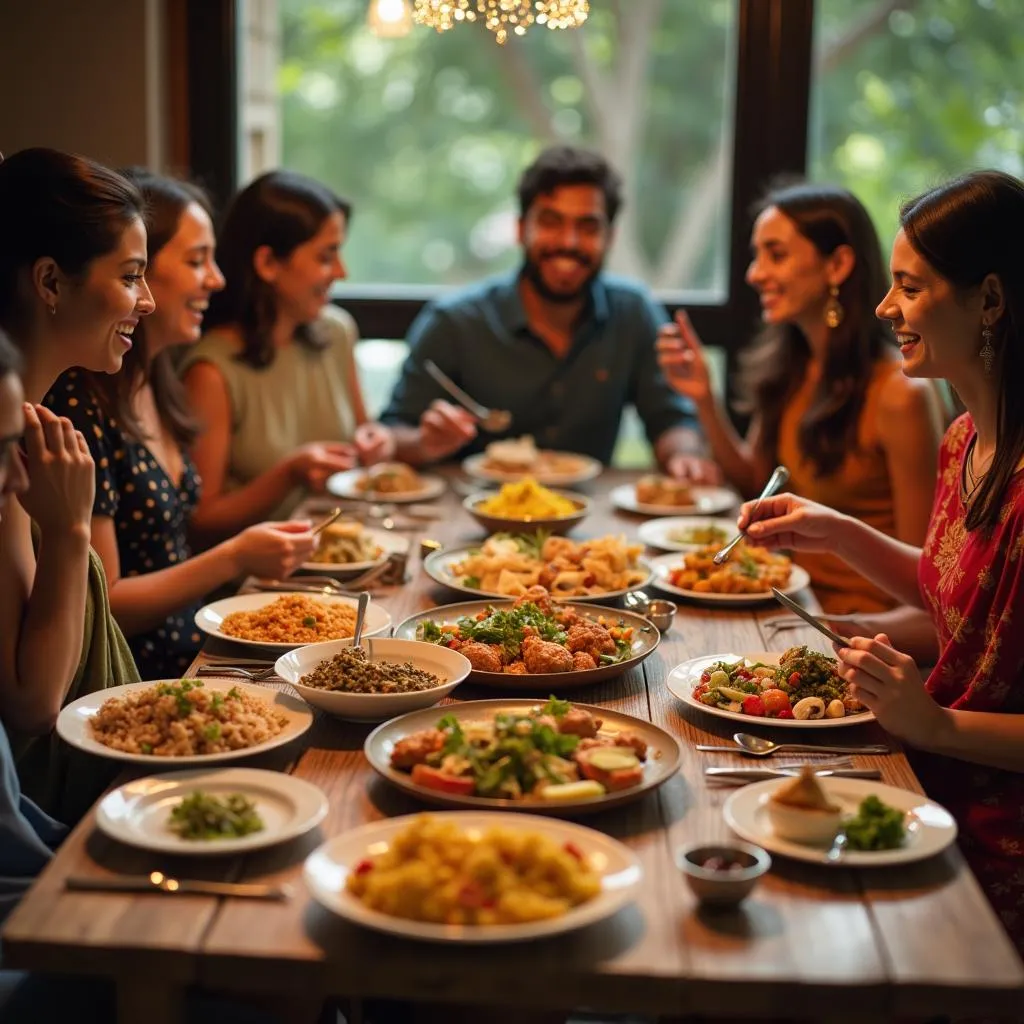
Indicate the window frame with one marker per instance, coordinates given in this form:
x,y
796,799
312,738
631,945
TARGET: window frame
x,y
773,65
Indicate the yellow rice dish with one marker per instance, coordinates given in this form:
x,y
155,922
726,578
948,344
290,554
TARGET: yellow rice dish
x,y
434,871
526,499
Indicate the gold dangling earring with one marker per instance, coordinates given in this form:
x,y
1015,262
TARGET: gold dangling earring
x,y
834,311
988,352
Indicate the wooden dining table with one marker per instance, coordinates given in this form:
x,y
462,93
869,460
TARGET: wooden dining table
x,y
812,941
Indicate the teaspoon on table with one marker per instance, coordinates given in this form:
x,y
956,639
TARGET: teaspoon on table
x,y
759,747
776,481
494,421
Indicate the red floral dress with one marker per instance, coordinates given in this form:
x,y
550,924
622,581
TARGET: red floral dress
x,y
973,585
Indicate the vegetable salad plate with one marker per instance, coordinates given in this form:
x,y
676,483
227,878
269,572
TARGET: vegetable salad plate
x,y
139,813
347,485
210,618
707,501
327,870
687,677
73,723
499,624
663,565
439,566
662,755
686,533
930,828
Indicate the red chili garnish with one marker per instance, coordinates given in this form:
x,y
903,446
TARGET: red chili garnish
x,y
363,866
794,679
574,850
705,677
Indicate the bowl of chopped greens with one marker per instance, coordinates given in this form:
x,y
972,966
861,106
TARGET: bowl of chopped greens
x,y
535,644
376,681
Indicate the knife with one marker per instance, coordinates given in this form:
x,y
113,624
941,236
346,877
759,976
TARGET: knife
x,y
809,618
157,882
759,774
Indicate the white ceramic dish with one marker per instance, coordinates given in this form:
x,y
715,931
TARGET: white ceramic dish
x,y
588,468
210,617
327,869
438,566
662,566
73,723
708,501
346,485
657,533
449,666
137,813
389,542
933,827
685,677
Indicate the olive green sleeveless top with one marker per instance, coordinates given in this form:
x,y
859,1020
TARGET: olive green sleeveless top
x,y
304,395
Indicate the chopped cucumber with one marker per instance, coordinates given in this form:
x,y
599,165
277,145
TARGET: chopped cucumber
x,y
572,790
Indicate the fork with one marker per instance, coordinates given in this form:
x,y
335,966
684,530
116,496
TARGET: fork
x,y
257,676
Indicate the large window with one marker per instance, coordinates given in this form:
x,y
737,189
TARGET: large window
x,y
907,94
427,134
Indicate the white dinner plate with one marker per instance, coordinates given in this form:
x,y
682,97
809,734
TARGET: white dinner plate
x,y
438,566
685,678
210,617
138,812
932,827
387,540
346,485
588,469
657,533
708,501
328,867
664,564
73,723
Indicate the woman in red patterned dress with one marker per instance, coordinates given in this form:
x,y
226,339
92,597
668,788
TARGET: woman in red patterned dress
x,y
957,309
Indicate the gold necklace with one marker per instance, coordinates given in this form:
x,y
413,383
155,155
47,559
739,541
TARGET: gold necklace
x,y
969,482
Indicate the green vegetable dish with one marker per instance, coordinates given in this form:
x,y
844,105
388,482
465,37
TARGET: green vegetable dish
x,y
203,816
876,826
804,685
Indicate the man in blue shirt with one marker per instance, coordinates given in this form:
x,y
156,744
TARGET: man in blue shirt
x,y
560,345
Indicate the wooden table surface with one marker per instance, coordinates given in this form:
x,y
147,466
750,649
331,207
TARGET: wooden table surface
x,y
811,941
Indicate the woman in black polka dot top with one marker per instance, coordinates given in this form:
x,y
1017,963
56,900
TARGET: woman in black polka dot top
x,y
138,428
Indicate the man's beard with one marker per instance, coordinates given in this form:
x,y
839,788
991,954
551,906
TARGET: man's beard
x,y
532,272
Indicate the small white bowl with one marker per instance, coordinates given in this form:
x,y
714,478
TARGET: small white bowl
x,y
520,524
802,824
449,666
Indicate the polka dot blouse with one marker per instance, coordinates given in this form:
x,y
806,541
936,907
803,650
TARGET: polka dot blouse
x,y
150,517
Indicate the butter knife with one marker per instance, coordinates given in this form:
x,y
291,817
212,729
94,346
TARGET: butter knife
x,y
157,882
759,774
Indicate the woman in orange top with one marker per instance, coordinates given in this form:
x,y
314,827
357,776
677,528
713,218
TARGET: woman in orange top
x,y
822,383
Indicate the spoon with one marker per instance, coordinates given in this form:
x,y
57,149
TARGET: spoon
x,y
763,748
494,421
364,600
837,847
775,481
637,601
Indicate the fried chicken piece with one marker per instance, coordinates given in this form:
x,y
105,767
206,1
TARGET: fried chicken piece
x,y
553,547
592,638
581,661
621,739
543,656
578,722
536,595
413,750
482,657
515,668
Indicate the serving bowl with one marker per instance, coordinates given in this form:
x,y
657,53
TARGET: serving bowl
x,y
449,666
519,524
725,884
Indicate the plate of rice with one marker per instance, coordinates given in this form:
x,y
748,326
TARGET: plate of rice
x,y
286,621
182,721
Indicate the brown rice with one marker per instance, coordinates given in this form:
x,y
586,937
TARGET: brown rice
x,y
184,719
292,619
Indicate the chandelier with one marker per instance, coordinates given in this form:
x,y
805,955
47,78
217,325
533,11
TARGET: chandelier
x,y
502,16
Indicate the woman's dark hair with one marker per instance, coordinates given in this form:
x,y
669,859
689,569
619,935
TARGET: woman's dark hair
x,y
10,357
966,229
772,369
280,209
56,205
166,200
570,165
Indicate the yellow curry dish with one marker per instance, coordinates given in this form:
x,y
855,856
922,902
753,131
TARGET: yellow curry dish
x,y
526,499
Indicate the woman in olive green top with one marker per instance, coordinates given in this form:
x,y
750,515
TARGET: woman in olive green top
x,y
72,257
273,381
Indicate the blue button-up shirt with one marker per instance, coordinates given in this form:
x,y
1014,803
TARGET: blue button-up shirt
x,y
481,338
